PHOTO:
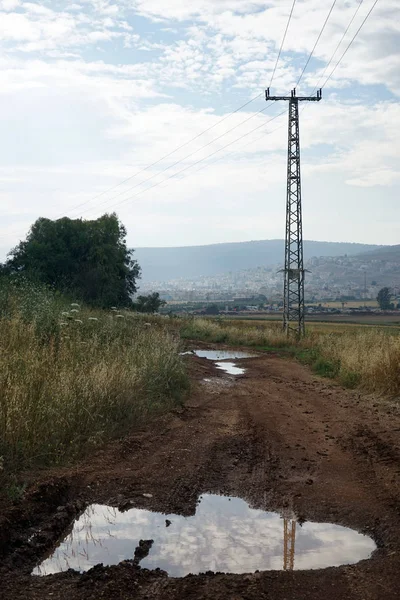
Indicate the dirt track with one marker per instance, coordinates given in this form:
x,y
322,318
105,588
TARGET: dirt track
x,y
276,437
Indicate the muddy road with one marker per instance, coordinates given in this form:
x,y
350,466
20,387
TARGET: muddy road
x,y
277,437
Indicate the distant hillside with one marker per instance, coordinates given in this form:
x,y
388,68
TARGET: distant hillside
x,y
166,264
385,253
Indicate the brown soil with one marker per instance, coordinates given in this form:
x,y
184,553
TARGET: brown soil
x,y
277,437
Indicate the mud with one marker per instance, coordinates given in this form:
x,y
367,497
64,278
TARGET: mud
x,y
279,438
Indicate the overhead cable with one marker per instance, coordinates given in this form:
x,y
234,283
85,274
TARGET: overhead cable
x,y
283,41
316,43
351,42
339,44
182,159
194,164
153,164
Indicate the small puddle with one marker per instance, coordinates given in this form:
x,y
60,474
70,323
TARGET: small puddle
x,y
224,535
230,367
225,355
222,354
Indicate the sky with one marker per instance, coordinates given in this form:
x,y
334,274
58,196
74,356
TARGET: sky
x,y
100,92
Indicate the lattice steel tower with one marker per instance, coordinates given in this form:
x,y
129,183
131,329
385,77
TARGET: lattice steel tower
x,y
293,297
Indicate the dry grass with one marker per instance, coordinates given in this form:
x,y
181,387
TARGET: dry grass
x,y
70,381
368,357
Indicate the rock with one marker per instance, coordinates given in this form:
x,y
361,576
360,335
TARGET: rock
x,y
142,550
167,522
147,495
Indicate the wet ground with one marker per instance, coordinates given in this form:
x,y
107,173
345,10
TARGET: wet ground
x,y
275,440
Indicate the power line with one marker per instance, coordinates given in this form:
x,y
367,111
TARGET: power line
x,y
339,44
283,41
351,42
238,151
153,164
193,164
316,43
181,160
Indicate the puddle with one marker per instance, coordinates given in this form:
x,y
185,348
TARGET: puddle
x,y
225,535
230,368
222,354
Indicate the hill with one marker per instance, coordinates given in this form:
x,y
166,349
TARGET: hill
x,y
191,262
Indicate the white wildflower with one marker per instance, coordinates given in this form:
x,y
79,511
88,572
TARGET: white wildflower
x,y
63,324
75,305
148,324
93,319
119,317
78,321
74,310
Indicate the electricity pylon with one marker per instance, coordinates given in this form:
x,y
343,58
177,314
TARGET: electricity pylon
x,y
293,296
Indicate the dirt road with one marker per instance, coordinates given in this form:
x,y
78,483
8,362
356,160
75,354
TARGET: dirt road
x,y
277,437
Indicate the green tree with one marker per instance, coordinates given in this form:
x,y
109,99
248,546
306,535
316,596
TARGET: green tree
x,y
149,304
88,260
212,309
384,298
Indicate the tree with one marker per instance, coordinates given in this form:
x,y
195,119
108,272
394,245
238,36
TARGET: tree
x,y
87,260
149,304
384,298
212,309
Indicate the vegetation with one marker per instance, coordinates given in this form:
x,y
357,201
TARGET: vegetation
x,y
85,260
149,304
384,298
71,377
368,357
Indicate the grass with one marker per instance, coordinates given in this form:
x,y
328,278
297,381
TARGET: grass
x,y
71,378
365,357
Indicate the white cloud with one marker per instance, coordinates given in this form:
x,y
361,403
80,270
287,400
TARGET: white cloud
x,y
88,99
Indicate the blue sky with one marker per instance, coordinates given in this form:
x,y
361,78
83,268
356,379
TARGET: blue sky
x,y
93,92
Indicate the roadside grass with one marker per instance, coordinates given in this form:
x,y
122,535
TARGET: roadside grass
x,y
363,357
71,378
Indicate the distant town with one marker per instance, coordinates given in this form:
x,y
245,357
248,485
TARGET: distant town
x,y
333,284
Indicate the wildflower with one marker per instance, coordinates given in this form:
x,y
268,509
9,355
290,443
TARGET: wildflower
x,y
78,321
62,324
75,305
148,324
113,308
64,314
119,316
93,319
74,310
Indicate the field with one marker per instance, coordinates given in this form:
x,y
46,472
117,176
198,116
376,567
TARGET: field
x,y
382,320
279,436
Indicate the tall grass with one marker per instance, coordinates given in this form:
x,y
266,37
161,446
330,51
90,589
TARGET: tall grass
x,y
233,332
358,356
71,378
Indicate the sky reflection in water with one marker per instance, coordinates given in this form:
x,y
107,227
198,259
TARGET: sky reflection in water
x,y
225,535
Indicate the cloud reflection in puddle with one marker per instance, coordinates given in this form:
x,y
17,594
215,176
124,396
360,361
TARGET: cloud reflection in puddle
x,y
224,535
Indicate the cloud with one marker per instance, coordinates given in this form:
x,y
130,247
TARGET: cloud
x,y
93,92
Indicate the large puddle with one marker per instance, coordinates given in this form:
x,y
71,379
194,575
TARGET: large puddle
x,y
225,535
